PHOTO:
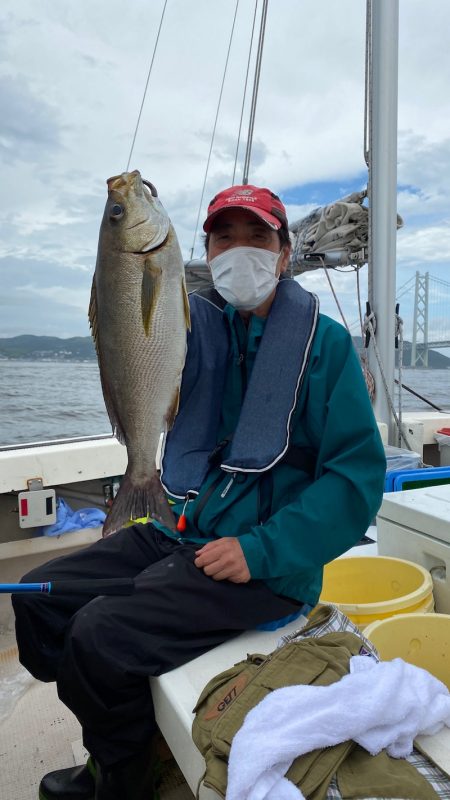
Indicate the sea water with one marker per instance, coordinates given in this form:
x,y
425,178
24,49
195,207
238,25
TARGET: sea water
x,y
43,400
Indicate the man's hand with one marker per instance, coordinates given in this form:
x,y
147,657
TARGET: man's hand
x,y
223,559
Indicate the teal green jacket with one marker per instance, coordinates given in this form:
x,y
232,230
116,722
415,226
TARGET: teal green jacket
x,y
312,519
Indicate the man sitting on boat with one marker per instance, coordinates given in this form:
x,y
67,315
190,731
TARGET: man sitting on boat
x,y
275,466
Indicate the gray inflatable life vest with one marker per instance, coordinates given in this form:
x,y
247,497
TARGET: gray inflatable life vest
x,y
261,438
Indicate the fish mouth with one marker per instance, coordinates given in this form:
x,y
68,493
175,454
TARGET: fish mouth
x,y
122,182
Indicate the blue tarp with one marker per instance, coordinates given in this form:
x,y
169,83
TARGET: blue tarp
x,y
69,520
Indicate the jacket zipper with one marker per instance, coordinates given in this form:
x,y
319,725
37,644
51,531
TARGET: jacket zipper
x,y
228,486
203,500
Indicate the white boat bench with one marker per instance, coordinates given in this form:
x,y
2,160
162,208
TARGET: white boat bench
x,y
175,694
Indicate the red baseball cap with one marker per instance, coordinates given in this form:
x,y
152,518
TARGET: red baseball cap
x,y
262,202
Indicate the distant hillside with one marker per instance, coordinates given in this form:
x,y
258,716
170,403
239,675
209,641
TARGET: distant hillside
x,y
80,348
77,348
435,360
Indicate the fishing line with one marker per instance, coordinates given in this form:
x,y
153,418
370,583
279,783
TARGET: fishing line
x,y
146,86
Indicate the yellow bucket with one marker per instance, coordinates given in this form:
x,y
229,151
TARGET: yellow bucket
x,y
420,639
369,588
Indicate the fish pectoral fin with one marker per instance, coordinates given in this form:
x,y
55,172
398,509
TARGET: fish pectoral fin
x,y
92,313
172,411
151,282
187,310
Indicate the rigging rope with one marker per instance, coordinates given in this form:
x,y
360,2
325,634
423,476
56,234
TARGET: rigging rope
x,y
255,93
214,129
399,339
370,319
368,377
369,322
245,92
335,295
367,93
146,86
368,327
366,144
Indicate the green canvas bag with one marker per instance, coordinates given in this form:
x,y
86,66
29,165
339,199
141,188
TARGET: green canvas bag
x,y
227,698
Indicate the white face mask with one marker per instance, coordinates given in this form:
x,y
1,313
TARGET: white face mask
x,y
245,276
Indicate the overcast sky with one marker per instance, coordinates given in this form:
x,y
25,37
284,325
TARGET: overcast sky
x,y
72,76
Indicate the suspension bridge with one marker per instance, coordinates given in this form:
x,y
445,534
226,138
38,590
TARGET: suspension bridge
x,y
431,318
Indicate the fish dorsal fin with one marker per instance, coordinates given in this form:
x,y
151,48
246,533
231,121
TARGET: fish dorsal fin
x,y
151,284
187,310
107,394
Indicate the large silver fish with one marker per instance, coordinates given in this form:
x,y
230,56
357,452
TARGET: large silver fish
x,y
139,313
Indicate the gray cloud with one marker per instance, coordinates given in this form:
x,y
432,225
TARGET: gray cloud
x,y
29,127
424,163
44,296
69,108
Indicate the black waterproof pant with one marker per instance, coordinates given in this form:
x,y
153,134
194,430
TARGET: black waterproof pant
x,y
102,650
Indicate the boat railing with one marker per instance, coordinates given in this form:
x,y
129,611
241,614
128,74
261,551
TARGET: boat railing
x,y
51,442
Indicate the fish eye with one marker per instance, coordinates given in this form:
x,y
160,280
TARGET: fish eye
x,y
116,211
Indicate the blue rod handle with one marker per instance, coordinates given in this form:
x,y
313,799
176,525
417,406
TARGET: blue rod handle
x,y
110,586
9,588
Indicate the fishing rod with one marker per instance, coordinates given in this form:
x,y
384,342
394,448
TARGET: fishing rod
x,y
110,586
408,389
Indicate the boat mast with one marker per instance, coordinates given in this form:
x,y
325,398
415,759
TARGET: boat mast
x,y
383,77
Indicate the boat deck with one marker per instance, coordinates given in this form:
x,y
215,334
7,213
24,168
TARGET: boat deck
x,y
40,734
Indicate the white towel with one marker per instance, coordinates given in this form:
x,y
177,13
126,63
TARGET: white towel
x,y
378,705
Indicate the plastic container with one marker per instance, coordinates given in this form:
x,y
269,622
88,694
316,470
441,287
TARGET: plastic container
x,y
418,478
401,458
420,639
398,459
370,588
442,437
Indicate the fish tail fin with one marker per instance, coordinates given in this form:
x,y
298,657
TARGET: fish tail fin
x,y
134,501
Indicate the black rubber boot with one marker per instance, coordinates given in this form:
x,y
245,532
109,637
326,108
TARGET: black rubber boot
x,y
73,783
137,778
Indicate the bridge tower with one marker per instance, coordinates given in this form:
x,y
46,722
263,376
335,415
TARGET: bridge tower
x,y
419,350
